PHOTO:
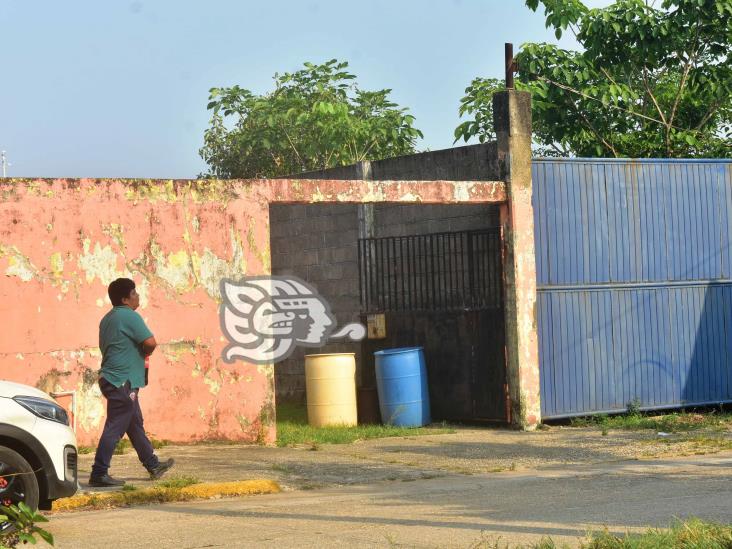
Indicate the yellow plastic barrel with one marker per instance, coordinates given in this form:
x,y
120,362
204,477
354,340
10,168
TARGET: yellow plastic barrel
x,y
330,385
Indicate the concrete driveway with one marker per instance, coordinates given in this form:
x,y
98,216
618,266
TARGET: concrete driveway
x,y
452,510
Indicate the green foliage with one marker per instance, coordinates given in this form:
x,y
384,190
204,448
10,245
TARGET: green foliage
x,y
651,81
633,408
315,118
157,444
690,534
668,423
24,520
122,446
477,102
293,429
179,481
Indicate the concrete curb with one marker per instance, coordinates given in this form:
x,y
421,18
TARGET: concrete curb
x,y
160,494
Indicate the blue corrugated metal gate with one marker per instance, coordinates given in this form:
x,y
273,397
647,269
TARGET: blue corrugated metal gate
x,y
634,280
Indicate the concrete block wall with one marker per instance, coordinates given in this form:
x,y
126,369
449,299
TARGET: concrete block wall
x,y
317,243
468,163
411,219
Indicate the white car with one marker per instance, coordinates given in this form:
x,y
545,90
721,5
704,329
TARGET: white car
x,y
37,448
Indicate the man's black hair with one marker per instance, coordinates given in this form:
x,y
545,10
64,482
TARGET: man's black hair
x,y
119,289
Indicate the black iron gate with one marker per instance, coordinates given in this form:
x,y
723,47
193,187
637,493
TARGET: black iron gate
x,y
442,291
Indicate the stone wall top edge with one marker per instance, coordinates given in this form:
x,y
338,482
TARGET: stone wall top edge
x,y
258,190
141,180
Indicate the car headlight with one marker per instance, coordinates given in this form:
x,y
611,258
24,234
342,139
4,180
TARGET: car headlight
x,y
43,408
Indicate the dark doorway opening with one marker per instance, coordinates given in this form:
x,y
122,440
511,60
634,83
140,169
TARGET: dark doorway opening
x,y
444,292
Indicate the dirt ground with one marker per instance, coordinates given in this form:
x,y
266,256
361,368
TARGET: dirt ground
x,y
468,451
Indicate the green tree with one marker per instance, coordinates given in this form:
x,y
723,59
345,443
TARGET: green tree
x,y
315,118
649,82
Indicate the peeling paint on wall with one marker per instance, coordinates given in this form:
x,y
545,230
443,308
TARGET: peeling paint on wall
x,y
214,386
175,350
57,264
175,269
100,263
409,197
461,192
196,191
183,270
18,264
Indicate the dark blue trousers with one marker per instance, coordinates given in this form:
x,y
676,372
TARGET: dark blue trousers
x,y
123,416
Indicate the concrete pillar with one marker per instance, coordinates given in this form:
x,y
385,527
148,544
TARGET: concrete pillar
x,y
365,211
512,120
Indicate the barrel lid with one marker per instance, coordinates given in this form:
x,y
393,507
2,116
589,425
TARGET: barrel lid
x,y
331,354
398,350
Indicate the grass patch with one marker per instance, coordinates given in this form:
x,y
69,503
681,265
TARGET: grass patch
x,y
669,423
157,444
293,429
690,534
162,494
179,481
700,444
122,446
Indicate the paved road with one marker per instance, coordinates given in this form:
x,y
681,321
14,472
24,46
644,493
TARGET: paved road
x,y
450,511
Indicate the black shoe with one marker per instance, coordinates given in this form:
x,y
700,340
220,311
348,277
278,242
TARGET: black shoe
x,y
104,481
160,469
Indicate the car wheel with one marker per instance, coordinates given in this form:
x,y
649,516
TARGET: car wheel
x,y
17,482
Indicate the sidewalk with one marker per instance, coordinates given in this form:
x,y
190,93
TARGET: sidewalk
x,y
469,451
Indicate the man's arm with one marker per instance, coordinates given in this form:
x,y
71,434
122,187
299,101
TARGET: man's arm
x,y
148,346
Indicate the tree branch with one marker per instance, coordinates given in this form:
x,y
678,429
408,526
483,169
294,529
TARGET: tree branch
x,y
366,151
592,128
582,94
608,75
710,112
299,158
653,97
684,77
554,146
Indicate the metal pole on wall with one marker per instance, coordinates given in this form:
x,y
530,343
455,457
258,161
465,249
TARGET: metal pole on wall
x,y
510,65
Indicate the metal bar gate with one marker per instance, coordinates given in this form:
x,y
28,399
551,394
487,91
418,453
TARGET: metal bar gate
x,y
431,272
443,292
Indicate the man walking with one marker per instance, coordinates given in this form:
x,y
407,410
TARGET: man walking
x,y
125,342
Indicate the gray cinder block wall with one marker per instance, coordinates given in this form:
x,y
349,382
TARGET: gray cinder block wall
x,y
318,243
469,163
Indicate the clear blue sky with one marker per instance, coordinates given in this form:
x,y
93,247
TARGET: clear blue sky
x,y
118,88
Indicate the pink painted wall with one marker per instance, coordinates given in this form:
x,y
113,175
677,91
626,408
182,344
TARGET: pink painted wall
x,y
63,241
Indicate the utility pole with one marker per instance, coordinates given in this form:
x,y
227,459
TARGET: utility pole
x,y
4,162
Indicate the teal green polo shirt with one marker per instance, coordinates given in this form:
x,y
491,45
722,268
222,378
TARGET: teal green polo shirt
x,y
121,333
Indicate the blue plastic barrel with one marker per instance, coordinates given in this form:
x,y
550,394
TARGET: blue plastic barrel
x,y
401,381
